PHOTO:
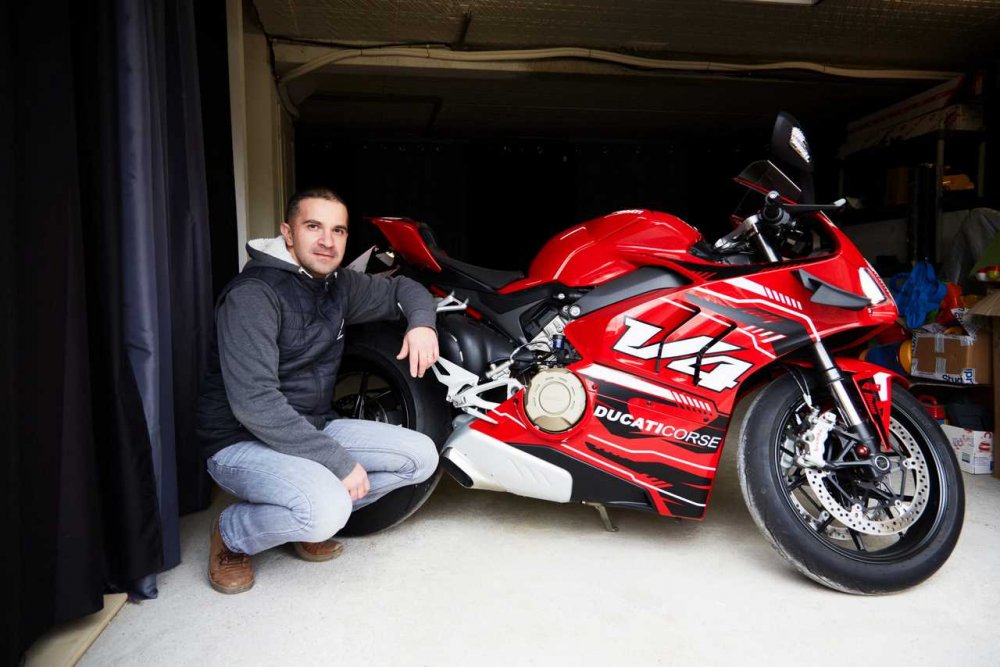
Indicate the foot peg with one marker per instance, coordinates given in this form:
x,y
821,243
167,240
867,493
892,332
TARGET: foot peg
x,y
605,517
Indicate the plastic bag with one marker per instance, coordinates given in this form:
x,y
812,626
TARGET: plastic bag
x,y
917,293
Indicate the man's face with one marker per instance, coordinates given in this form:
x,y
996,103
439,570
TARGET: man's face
x,y
317,235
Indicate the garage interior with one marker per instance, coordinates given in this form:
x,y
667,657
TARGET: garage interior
x,y
501,123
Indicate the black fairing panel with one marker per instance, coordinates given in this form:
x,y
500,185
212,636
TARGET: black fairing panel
x,y
471,344
593,485
830,295
640,281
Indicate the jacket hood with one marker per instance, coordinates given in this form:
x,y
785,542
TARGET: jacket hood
x,y
272,253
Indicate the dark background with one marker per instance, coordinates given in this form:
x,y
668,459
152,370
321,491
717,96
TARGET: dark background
x,y
495,202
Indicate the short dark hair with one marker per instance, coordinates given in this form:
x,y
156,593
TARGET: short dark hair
x,y
312,193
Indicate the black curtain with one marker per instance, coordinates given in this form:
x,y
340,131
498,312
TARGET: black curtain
x,y
90,501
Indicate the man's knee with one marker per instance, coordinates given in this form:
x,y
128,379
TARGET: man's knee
x,y
425,455
324,512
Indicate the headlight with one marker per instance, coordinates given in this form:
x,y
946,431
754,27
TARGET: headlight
x,y
870,286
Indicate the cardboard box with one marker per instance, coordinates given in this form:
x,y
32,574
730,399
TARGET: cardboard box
x,y
952,358
990,307
974,449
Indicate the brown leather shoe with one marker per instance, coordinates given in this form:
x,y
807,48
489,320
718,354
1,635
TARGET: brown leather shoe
x,y
228,571
318,552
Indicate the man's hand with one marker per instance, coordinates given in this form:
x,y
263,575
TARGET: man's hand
x,y
356,483
421,344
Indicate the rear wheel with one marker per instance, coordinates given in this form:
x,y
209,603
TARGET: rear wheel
x,y
848,524
372,384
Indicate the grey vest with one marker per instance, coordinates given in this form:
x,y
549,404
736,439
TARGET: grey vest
x,y
310,345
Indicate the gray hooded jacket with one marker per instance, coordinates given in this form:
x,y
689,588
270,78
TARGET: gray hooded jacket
x,y
279,343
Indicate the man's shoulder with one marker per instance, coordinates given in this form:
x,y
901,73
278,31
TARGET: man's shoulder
x,y
254,286
257,278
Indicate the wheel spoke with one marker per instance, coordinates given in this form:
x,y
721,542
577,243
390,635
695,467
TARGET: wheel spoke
x,y
797,482
359,404
856,538
812,501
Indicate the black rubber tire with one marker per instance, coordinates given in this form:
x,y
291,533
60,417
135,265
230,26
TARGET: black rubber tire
x,y
920,552
424,409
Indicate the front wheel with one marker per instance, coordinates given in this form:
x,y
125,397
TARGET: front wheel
x,y
372,384
854,527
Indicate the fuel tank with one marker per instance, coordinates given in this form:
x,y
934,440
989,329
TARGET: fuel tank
x,y
605,248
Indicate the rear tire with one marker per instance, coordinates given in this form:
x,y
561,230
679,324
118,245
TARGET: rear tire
x,y
919,505
390,395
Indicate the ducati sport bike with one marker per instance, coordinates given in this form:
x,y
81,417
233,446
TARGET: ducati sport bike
x,y
611,373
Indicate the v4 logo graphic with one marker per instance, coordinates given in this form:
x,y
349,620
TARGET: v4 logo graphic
x,y
718,371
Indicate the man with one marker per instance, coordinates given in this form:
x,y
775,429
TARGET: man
x,y
264,413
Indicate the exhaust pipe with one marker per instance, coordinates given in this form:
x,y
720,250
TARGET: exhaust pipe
x,y
480,461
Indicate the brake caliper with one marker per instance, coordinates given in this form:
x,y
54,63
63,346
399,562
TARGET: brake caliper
x,y
812,441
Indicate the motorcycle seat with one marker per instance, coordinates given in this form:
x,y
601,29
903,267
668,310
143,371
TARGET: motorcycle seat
x,y
491,279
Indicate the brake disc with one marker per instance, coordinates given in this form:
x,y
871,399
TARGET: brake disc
x,y
912,467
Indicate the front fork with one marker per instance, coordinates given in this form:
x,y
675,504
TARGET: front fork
x,y
856,421
834,379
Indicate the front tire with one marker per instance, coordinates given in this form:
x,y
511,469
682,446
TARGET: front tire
x,y
848,529
372,384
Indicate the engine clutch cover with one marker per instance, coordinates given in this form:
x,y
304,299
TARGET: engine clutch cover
x,y
555,400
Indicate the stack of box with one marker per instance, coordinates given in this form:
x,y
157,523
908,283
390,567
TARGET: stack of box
x,y
990,307
960,358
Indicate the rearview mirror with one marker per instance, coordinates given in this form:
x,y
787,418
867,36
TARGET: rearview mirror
x,y
788,143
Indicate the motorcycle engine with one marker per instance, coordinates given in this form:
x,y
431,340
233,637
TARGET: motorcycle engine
x,y
555,400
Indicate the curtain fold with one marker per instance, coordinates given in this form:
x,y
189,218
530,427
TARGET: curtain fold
x,y
106,300
145,257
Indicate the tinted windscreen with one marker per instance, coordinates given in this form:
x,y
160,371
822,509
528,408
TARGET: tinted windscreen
x,y
765,176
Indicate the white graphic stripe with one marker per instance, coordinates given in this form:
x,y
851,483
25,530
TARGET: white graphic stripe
x,y
771,304
756,288
648,451
753,339
510,417
599,372
628,473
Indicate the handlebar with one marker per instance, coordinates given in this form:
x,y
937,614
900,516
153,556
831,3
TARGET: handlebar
x,y
772,211
775,214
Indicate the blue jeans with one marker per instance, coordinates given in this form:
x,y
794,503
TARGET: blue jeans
x,y
292,499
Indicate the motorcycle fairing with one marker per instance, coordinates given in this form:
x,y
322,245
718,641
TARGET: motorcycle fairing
x,y
678,358
673,478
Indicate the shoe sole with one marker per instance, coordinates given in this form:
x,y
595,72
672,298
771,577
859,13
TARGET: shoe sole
x,y
313,558
230,590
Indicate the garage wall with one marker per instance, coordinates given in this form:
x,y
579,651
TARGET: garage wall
x,y
263,132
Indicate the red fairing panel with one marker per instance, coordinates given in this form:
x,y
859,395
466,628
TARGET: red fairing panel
x,y
405,239
663,371
661,442
875,385
605,248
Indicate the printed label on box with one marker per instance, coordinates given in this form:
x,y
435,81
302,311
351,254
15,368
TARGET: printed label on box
x,y
974,449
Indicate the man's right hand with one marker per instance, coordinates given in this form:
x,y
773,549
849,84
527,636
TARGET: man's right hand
x,y
356,483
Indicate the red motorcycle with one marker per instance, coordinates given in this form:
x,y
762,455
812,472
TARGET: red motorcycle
x,y
610,375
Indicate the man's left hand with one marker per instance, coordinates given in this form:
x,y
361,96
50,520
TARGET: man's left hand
x,y
421,345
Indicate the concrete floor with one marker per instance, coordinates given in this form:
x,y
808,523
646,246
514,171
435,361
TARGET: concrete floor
x,y
479,578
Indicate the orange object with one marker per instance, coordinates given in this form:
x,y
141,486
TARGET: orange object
x,y
952,299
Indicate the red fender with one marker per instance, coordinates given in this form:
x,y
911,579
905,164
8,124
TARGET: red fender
x,y
874,383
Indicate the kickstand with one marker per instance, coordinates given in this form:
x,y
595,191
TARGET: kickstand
x,y
605,517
